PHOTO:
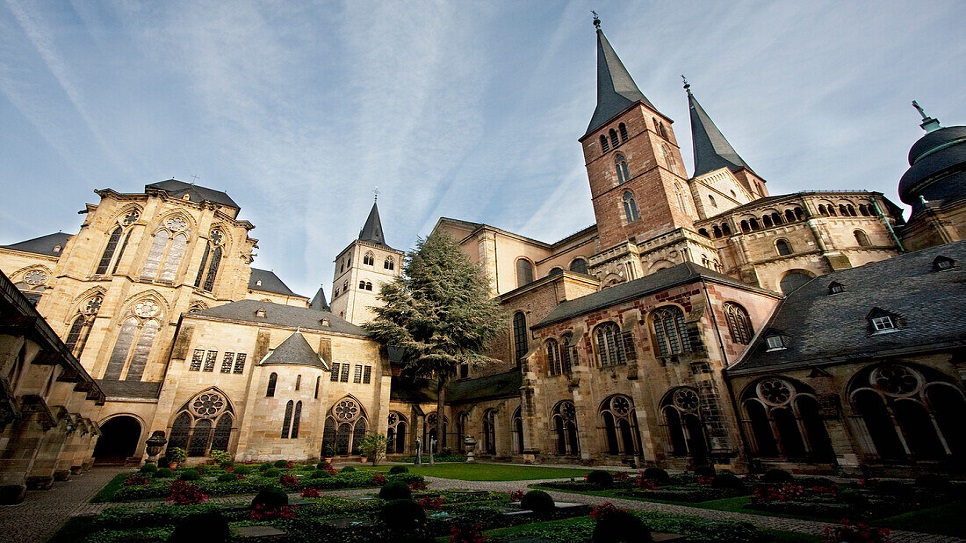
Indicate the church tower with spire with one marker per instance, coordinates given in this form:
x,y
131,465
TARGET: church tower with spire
x,y
361,269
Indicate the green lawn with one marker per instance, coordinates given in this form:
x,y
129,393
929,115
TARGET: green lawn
x,y
946,519
495,472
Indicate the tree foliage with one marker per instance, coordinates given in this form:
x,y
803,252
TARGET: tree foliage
x,y
438,312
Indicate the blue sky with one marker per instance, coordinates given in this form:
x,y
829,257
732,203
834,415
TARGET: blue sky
x,y
469,110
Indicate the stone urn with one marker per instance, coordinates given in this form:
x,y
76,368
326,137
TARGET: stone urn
x,y
470,443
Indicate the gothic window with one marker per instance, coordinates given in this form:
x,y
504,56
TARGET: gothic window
x,y
610,347
623,173
739,323
368,259
794,279
579,265
568,355
166,252
553,357
516,431
80,329
861,238
210,261
432,430
619,425
489,431
783,247
345,426
334,374
524,272
203,424
783,420
711,200
521,345
681,408
210,359
366,375
227,361
357,376
272,382
389,264
318,383
396,433
344,376
197,359
672,163
613,138
564,424
670,331
111,253
134,341
604,144
287,419
630,207
623,131
298,382
240,363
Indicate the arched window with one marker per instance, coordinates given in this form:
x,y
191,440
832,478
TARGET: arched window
x,y
613,138
623,130
368,259
753,222
524,272
766,221
272,382
568,354
203,424
619,426
670,331
789,215
681,408
318,383
345,427
610,345
516,432
296,419
861,238
433,430
711,200
799,213
716,231
843,211
783,247
782,418
167,250
520,343
776,219
396,433
553,357
579,265
623,173
389,264
489,431
111,256
80,329
604,144
726,229
365,285
564,424
134,341
298,382
794,279
287,420
672,163
210,261
739,323
863,210
630,207
704,232
745,227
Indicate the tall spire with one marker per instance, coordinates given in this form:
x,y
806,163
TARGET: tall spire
x,y
372,230
711,150
929,124
616,90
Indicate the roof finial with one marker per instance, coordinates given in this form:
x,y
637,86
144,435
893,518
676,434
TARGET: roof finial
x,y
596,20
375,193
687,86
928,123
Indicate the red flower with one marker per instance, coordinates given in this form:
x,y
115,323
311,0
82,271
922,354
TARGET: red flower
x,y
516,495
379,479
432,503
602,510
136,480
185,493
260,512
417,485
289,481
310,492
467,533
621,475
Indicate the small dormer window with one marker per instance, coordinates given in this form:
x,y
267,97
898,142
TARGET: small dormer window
x,y
943,263
883,324
57,248
774,342
835,287
324,321
258,283
882,321
186,197
260,312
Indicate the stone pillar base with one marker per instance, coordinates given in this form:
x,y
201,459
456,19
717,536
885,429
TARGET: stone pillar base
x,y
12,494
75,470
62,475
40,482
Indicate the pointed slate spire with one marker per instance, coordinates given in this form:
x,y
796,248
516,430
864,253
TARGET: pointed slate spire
x,y
318,302
711,150
616,89
294,350
372,230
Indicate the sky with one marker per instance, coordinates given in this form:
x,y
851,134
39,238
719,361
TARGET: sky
x,y
469,109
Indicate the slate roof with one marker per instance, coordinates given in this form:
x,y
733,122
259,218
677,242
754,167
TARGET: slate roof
x,y
937,168
681,274
402,389
44,245
821,328
319,302
616,89
129,389
280,315
295,350
501,385
269,283
196,193
372,230
711,149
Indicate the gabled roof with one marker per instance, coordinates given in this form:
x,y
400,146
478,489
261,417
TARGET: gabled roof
x,y
372,230
677,275
196,193
296,351
820,328
267,281
501,385
44,245
711,149
279,315
616,89
318,302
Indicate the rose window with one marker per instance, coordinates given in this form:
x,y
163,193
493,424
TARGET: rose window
x,y
568,411
895,380
775,391
620,405
131,217
216,237
35,277
431,419
93,305
686,399
346,410
393,419
207,405
146,309
175,224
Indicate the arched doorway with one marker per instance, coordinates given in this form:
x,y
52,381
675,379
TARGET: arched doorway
x,y
119,439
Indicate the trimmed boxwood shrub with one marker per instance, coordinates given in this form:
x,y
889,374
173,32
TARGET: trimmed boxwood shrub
x,y
148,468
395,490
726,479
539,502
319,474
402,515
600,478
190,475
280,463
658,475
322,465
163,473
398,469
272,472
242,470
347,469
621,527
227,477
264,466
271,498
777,476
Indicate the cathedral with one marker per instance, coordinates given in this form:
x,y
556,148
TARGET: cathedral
x,y
700,321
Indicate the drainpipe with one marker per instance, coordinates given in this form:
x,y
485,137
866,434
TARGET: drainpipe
x,y
885,220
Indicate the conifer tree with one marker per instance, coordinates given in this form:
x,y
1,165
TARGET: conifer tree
x,y
438,313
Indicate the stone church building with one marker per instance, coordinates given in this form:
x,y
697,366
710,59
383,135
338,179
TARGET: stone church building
x,y
700,320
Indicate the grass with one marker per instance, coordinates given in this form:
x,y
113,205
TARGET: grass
x,y
110,488
946,519
495,472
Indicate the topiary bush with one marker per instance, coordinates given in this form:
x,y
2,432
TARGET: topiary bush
x,y
395,490
148,468
227,477
726,479
272,472
322,465
211,527
657,475
600,478
280,463
319,474
270,498
539,502
398,469
402,515
190,475
264,466
619,526
347,469
704,471
163,473
777,476
242,470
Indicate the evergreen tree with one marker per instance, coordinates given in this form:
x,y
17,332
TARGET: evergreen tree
x,y
438,313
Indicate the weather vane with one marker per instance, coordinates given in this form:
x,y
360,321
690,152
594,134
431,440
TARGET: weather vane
x,y
596,19
687,86
194,179
375,193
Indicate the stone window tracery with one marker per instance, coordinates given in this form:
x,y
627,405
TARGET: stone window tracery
x,y
619,425
203,424
685,427
783,419
115,247
80,328
345,427
166,252
396,433
739,323
630,207
564,424
135,341
210,260
670,331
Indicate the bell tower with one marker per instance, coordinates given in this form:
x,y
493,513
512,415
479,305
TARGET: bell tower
x,y
637,179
